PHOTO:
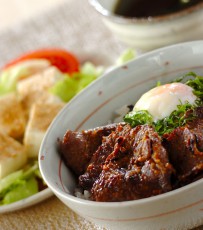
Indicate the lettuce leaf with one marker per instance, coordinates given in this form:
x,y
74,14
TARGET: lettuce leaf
x,y
8,81
10,76
9,181
126,56
23,190
20,184
69,86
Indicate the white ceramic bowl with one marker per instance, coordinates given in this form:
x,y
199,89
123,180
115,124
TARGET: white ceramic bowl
x,y
178,209
150,33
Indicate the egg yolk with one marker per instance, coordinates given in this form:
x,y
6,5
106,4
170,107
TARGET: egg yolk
x,y
161,101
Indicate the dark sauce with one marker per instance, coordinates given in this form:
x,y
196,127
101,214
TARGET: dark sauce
x,y
151,8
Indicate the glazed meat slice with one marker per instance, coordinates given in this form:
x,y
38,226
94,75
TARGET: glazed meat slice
x,y
185,148
98,159
197,123
130,164
77,148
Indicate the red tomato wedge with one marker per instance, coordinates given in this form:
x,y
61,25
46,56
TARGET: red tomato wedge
x,y
60,58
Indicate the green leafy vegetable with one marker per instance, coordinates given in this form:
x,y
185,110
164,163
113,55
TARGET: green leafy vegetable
x,y
23,190
9,181
10,76
20,184
197,85
178,117
196,82
141,117
90,69
69,86
65,89
126,56
8,82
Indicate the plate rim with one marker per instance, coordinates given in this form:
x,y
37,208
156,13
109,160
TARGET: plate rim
x,y
27,202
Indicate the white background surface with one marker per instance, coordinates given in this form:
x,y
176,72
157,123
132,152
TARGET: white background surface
x,y
15,11
71,24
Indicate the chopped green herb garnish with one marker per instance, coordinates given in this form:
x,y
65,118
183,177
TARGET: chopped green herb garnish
x,y
178,117
196,82
141,117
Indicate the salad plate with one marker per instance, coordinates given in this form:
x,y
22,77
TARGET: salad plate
x,y
27,202
21,184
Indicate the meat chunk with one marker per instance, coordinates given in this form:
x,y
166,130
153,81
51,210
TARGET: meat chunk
x,y
121,163
77,148
195,124
130,164
185,148
95,166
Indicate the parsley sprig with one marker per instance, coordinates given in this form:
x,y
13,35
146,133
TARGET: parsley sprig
x,y
194,81
135,118
178,117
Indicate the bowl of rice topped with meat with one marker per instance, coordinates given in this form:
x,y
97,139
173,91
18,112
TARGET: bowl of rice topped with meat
x,y
127,152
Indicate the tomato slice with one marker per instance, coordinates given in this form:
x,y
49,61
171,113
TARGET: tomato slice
x,y
62,59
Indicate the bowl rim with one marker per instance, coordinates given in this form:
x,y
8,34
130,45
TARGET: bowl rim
x,y
131,20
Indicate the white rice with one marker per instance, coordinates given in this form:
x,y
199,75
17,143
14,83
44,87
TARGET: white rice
x,y
82,194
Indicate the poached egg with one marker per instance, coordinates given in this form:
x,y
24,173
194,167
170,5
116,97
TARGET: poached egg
x,y
162,100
